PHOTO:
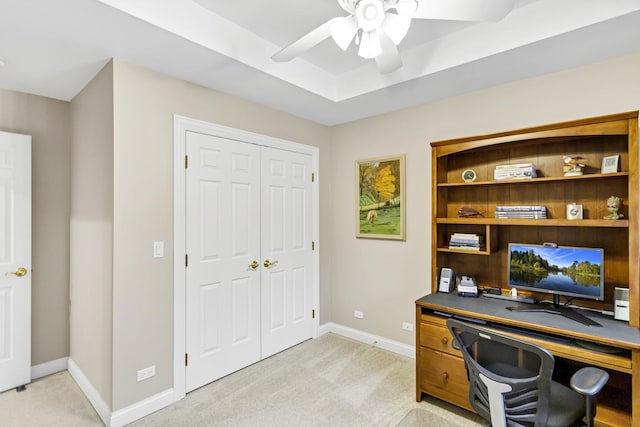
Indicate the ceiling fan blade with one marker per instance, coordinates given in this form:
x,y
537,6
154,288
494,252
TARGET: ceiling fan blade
x,y
343,31
464,10
370,45
347,5
389,60
405,7
396,26
306,42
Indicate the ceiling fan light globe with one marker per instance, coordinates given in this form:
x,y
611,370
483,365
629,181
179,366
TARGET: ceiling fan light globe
x,y
370,46
369,14
396,27
343,31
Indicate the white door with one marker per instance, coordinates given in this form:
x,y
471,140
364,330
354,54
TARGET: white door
x,y
222,242
287,284
15,260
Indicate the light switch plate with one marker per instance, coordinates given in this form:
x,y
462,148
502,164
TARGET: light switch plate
x,y
158,249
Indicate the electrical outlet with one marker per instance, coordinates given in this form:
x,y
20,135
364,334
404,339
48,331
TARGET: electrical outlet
x,y
407,326
145,373
358,314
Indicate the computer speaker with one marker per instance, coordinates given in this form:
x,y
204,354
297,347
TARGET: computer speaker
x,y
446,280
621,304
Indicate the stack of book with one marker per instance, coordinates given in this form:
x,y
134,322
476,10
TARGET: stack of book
x,y
521,212
467,242
517,171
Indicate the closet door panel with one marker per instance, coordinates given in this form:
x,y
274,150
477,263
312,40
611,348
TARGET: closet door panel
x,y
286,243
223,239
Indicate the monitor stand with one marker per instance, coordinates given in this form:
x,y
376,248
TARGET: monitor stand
x,y
556,308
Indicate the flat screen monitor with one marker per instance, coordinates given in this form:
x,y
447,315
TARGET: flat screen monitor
x,y
558,270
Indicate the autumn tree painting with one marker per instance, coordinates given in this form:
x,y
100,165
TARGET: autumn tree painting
x,y
381,198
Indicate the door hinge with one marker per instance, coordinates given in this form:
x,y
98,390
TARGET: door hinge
x,y
313,177
186,162
313,246
186,260
186,359
313,314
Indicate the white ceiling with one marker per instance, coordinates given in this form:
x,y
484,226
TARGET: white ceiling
x,y
53,48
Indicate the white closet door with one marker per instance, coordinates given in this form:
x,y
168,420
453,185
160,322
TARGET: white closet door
x,y
15,260
223,239
287,285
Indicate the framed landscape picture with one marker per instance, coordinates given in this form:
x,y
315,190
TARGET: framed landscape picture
x,y
380,199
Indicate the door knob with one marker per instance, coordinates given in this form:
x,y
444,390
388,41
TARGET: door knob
x,y
268,263
254,265
21,271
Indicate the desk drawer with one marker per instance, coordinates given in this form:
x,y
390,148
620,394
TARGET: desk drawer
x,y
443,376
437,338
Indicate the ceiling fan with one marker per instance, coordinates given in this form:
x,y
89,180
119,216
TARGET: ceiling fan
x,y
379,26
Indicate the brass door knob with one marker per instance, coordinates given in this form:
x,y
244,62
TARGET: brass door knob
x,y
268,263
254,265
20,272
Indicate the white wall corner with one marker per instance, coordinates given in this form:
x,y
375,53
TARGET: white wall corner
x,y
101,407
126,415
49,368
367,338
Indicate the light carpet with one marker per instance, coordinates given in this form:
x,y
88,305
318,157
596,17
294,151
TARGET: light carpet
x,y
55,400
328,381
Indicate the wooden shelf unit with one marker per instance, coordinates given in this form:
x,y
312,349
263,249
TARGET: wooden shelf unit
x,y
544,146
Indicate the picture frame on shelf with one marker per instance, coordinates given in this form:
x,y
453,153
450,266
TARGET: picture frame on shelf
x,y
380,198
611,164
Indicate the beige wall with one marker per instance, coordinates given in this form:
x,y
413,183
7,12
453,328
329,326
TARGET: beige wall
x,y
144,104
383,278
47,120
91,280
121,186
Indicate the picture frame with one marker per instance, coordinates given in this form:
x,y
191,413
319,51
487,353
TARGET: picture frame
x,y
380,198
611,164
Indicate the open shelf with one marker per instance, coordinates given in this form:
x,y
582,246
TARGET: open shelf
x,y
545,146
598,223
536,180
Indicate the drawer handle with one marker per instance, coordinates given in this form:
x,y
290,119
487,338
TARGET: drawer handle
x,y
445,377
445,340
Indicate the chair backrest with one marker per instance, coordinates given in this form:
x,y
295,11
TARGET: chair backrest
x,y
509,379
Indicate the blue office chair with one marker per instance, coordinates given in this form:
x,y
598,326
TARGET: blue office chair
x,y
510,381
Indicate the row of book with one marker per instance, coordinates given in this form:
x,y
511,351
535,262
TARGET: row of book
x,y
516,171
467,241
521,212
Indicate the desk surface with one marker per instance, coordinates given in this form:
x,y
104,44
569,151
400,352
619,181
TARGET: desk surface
x,y
612,332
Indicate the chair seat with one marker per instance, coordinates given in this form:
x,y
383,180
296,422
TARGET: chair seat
x,y
567,406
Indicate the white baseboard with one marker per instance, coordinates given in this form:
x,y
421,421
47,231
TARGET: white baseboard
x,y
48,368
123,416
367,338
101,407
143,408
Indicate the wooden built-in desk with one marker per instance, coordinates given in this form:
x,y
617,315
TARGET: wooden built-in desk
x,y
440,368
